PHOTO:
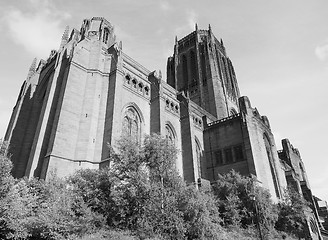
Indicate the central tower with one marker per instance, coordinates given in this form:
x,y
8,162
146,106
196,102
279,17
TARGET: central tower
x,y
201,69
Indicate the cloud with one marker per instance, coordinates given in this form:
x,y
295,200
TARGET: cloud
x,y
38,30
322,51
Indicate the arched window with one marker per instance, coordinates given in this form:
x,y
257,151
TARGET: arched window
x,y
169,134
203,64
219,62
233,111
134,83
198,158
224,70
147,91
106,35
131,124
193,68
271,163
185,70
128,79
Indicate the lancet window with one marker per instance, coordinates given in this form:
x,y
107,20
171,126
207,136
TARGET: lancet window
x,y
131,124
169,134
198,158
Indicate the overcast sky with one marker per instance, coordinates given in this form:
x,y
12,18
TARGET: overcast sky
x,y
279,50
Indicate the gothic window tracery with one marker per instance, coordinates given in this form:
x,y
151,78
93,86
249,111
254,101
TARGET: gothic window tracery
x,y
169,134
131,124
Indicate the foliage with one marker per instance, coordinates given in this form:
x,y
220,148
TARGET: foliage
x,y
106,234
162,215
292,214
160,157
200,213
140,196
6,180
37,209
242,203
46,210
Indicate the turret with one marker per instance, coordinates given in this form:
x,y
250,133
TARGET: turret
x,y
98,29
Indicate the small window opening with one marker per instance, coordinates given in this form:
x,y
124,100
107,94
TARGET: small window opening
x,y
134,82
128,78
147,91
106,35
140,87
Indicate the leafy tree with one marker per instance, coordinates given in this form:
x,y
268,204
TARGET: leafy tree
x,y
6,183
37,209
94,186
292,214
140,196
242,203
160,156
200,213
118,192
6,179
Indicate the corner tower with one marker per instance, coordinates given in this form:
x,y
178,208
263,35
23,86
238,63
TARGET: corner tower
x,y
200,68
98,29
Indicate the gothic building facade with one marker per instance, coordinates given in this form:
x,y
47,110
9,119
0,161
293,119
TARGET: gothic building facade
x,y
89,92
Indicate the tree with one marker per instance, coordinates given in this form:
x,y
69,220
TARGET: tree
x,y
6,179
236,199
200,213
6,183
292,214
37,209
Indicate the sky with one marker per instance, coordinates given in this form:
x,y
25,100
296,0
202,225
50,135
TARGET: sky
x,y
279,50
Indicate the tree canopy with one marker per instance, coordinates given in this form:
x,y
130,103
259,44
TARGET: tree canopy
x,y
140,196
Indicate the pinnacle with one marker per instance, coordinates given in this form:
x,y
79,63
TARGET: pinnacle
x,y
65,34
33,66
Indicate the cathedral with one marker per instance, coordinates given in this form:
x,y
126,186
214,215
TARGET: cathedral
x,y
89,92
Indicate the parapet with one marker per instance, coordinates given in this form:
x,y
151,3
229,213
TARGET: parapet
x,y
288,147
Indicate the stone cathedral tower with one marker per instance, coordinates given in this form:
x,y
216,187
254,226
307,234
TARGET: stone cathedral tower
x,y
201,68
